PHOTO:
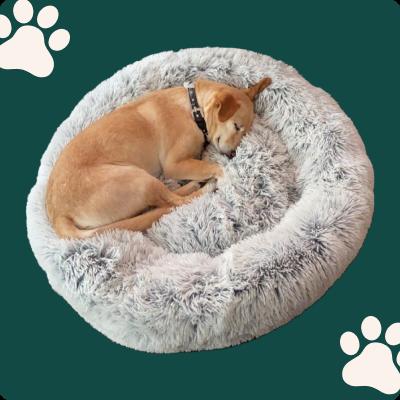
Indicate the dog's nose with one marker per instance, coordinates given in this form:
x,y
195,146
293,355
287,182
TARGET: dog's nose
x,y
231,154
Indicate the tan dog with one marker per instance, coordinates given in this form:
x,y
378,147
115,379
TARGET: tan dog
x,y
105,178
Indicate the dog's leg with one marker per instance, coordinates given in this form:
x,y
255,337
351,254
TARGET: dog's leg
x,y
120,197
158,195
144,221
141,222
197,170
187,189
66,228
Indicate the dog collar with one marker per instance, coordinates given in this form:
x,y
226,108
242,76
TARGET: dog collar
x,y
196,111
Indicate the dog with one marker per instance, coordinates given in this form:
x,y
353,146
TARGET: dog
x,y
106,177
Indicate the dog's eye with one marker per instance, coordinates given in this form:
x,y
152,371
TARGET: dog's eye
x,y
237,127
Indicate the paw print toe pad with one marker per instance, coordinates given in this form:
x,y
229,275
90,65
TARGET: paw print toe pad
x,y
47,17
23,11
392,335
371,328
5,27
349,343
59,39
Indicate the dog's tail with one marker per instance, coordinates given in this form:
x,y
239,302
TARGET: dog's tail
x,y
66,228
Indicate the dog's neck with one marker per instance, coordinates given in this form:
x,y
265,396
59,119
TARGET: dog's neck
x,y
205,93
197,112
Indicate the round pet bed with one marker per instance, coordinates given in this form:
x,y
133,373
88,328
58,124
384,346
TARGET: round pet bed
x,y
287,219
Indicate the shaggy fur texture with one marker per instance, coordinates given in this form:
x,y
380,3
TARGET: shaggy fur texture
x,y
285,222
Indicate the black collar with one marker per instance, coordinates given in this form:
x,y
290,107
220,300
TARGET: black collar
x,y
197,116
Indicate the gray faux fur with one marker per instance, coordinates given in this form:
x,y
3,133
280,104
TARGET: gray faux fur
x,y
284,223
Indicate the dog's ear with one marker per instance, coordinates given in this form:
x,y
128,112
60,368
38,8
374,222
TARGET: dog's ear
x,y
253,91
226,106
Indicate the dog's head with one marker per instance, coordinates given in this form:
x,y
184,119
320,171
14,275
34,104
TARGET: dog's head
x,y
229,114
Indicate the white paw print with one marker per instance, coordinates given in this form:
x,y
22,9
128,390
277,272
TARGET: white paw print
x,y
375,366
26,49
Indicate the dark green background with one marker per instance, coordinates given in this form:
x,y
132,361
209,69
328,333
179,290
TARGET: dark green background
x,y
349,48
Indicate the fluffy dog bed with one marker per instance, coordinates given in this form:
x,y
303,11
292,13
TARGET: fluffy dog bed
x,y
288,218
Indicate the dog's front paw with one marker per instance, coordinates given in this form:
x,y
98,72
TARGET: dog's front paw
x,y
193,186
218,172
210,186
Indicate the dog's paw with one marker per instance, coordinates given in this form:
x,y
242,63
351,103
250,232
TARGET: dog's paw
x,y
219,172
193,186
210,186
